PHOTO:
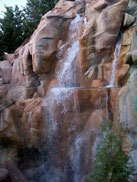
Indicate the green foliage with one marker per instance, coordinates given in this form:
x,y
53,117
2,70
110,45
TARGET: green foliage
x,y
34,10
111,164
10,30
17,25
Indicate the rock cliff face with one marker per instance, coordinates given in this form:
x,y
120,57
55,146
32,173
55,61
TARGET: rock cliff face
x,y
77,71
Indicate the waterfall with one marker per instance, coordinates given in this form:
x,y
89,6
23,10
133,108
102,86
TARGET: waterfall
x,y
95,145
78,145
30,119
107,104
80,153
48,108
65,73
114,63
96,133
66,67
55,103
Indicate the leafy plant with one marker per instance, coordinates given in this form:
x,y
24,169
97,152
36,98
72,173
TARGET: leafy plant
x,y
111,164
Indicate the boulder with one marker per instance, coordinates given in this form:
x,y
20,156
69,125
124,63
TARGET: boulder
x,y
128,20
131,58
5,69
8,57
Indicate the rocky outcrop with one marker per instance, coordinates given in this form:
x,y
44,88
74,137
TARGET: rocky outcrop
x,y
77,70
100,37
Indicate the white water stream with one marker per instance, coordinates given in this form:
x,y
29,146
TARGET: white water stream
x,y
78,145
110,85
62,91
65,74
114,63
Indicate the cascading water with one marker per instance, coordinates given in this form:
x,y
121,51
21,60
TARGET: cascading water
x,y
66,69
114,63
30,119
96,142
58,96
78,146
65,74
110,85
107,104
96,133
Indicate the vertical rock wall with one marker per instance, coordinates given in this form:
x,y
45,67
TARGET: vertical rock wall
x,y
49,124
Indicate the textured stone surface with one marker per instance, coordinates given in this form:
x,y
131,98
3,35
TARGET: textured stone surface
x,y
100,37
128,20
43,124
5,72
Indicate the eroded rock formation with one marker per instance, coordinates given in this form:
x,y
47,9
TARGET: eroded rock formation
x,y
57,89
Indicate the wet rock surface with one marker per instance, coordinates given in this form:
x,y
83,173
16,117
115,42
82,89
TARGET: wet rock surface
x,y
77,71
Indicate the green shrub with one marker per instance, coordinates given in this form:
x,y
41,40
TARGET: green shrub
x,y
111,163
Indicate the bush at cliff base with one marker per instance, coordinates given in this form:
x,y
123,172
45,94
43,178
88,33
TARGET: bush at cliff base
x,y
111,163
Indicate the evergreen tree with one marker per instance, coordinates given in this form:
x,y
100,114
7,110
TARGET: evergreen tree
x,y
35,9
11,30
111,164
17,25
